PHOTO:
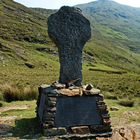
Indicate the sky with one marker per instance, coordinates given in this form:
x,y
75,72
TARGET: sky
x,y
56,4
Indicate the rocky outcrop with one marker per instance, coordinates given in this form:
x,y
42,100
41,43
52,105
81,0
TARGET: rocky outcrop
x,y
130,132
70,30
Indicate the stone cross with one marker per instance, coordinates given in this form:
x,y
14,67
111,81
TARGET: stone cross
x,y
70,30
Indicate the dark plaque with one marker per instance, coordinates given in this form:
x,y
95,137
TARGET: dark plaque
x,y
76,111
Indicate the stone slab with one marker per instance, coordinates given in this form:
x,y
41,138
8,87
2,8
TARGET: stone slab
x,y
41,106
77,111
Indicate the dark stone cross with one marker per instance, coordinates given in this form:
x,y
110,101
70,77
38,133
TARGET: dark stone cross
x,y
70,30
64,109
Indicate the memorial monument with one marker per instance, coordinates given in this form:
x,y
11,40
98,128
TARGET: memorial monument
x,y
70,30
67,108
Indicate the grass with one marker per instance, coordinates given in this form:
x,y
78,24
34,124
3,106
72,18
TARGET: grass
x,y
127,102
109,95
25,23
120,85
13,71
15,93
109,45
131,114
112,67
26,126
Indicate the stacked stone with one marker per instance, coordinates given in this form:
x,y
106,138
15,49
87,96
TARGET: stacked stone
x,y
106,123
102,109
47,118
46,110
49,112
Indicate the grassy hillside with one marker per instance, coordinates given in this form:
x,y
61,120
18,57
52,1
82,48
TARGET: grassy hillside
x,y
115,21
22,33
20,23
116,32
29,58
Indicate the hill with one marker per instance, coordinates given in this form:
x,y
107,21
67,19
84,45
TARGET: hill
x,y
118,22
21,23
29,57
115,31
22,33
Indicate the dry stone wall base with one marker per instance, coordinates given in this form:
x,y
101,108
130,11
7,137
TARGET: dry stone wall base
x,y
49,111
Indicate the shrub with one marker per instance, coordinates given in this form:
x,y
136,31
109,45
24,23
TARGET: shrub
x,y
14,93
1,104
30,93
109,95
126,102
1,96
10,92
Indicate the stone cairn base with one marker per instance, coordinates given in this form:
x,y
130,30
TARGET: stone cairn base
x,y
46,111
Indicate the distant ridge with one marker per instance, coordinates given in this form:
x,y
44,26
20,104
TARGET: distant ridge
x,y
121,19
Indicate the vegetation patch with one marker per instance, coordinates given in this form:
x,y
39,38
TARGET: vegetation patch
x,y
1,104
109,95
108,71
126,102
14,93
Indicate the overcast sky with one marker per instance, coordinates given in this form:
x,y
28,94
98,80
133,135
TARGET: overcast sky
x,y
56,4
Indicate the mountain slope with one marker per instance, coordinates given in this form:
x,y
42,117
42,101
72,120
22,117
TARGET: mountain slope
x,y
22,33
116,32
114,43
21,23
115,21
29,57
20,29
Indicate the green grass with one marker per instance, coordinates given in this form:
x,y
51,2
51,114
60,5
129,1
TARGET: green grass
x,y
131,114
47,71
22,32
127,102
113,67
21,35
13,70
120,85
26,24
26,125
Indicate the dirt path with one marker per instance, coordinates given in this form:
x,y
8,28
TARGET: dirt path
x,y
7,121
